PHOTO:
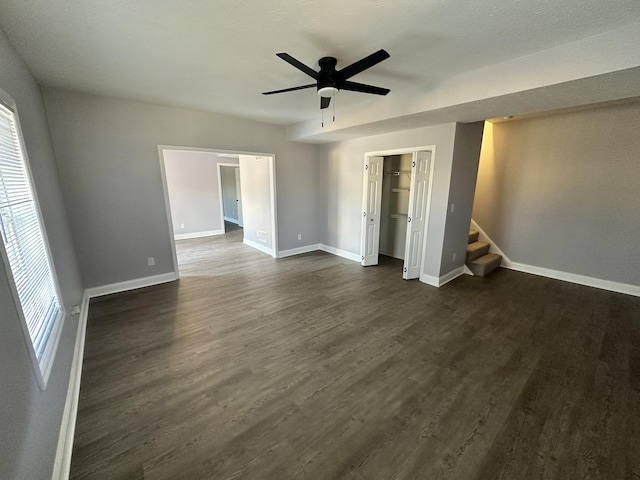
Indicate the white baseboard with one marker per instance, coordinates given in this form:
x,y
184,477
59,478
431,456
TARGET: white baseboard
x,y
298,250
575,278
130,284
232,220
320,246
62,464
557,274
258,246
207,233
341,253
443,279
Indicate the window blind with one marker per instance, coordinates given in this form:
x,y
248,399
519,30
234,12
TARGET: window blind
x,y
23,239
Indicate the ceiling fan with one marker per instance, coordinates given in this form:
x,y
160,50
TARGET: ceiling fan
x,y
330,81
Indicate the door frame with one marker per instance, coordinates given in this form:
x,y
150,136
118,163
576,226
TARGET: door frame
x,y
236,165
163,174
365,193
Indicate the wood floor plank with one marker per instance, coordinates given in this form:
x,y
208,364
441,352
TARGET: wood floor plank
x,y
312,367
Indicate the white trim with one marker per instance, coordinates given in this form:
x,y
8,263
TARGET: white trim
x,y
231,220
575,278
493,247
272,178
208,233
322,247
429,279
400,151
274,203
213,150
62,464
443,279
299,250
340,253
558,274
257,246
167,206
41,368
131,284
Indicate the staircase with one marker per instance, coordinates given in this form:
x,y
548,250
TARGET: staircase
x,y
479,260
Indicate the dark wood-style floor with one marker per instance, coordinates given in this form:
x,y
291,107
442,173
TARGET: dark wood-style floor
x,y
314,367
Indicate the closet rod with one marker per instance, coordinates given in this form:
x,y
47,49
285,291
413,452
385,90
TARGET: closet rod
x,y
400,172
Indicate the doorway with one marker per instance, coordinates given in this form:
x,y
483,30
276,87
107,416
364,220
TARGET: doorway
x,y
230,193
254,185
396,203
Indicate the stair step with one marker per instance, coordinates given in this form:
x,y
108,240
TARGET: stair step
x,y
485,264
476,250
473,236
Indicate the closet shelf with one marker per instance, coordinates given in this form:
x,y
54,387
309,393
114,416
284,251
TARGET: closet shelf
x,y
398,215
399,190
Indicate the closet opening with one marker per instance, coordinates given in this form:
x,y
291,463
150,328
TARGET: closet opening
x,y
397,187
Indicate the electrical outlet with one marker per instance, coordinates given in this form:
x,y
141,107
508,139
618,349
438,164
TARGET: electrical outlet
x,y
453,259
182,225
299,236
453,207
151,261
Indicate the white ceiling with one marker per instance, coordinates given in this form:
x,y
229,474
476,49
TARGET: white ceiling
x,y
450,60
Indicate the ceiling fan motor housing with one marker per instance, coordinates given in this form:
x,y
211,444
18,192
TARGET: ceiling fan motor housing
x,y
327,77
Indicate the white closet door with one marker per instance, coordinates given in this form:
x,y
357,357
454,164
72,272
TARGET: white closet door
x,y
417,217
371,214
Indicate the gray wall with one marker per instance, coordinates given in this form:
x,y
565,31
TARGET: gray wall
x,y
341,184
107,152
30,418
229,193
192,183
562,191
464,172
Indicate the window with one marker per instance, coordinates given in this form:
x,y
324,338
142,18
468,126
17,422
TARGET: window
x,y
26,253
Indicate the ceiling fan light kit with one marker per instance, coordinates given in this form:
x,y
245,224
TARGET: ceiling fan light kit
x,y
328,92
330,81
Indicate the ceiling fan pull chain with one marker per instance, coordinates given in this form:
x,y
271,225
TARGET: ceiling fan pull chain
x,y
334,108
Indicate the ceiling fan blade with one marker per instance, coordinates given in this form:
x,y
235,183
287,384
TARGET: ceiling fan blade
x,y
290,89
361,87
363,64
298,64
324,102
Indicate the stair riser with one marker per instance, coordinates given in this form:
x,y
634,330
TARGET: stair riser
x,y
473,237
471,256
480,270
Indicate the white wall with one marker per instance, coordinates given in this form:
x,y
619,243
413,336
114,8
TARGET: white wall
x,y
561,192
30,418
256,199
107,152
192,184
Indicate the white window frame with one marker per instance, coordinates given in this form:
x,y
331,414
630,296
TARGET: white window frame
x,y
42,368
